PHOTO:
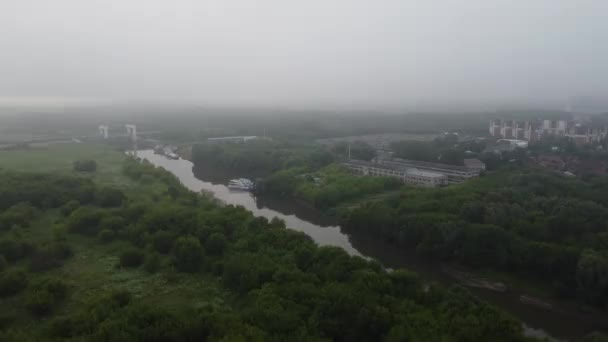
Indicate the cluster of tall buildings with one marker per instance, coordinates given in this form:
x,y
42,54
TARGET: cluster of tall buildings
x,y
580,132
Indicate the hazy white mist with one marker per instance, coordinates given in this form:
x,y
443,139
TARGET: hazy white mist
x,y
313,53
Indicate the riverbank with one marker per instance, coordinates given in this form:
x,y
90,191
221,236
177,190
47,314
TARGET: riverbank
x,y
471,280
528,291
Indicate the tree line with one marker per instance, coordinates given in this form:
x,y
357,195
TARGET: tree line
x,y
328,187
538,225
261,157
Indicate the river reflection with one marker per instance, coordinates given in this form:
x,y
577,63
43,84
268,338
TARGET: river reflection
x,y
325,231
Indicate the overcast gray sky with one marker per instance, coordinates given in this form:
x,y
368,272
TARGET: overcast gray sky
x,y
315,53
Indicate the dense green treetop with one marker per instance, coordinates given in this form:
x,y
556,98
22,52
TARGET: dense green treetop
x,y
271,283
536,224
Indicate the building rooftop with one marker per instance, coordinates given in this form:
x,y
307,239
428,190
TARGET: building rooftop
x,y
428,174
474,162
244,137
422,164
371,164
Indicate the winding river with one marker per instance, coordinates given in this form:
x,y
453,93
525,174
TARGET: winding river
x,y
563,322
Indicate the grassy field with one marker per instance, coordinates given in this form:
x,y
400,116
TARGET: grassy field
x,y
59,158
92,268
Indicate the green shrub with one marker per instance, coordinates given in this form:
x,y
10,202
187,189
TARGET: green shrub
x,y
85,221
113,223
215,244
19,215
3,263
40,302
188,254
43,261
163,241
136,235
147,179
152,264
11,250
121,297
59,232
64,327
6,319
106,235
69,207
50,256
110,197
131,258
12,282
55,286
85,165
60,250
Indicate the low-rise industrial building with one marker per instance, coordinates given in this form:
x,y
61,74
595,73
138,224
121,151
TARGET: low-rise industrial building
x,y
455,173
425,178
234,139
407,175
475,164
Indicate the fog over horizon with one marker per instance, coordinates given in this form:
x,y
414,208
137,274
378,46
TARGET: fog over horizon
x,y
350,54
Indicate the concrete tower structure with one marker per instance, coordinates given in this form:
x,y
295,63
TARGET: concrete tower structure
x,y
132,133
103,131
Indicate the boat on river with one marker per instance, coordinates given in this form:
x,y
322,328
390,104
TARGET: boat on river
x,y
171,155
243,184
167,151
